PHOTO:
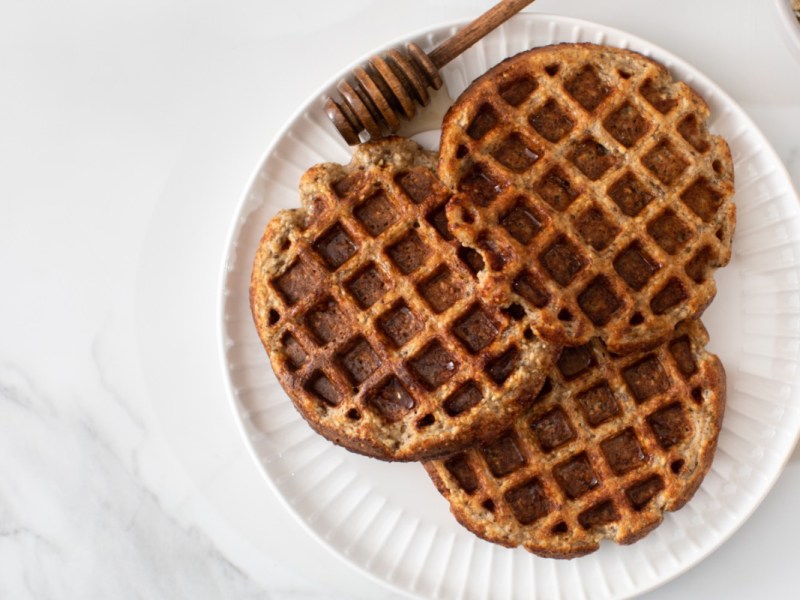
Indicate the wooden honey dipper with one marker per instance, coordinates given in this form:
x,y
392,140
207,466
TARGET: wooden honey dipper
x,y
387,89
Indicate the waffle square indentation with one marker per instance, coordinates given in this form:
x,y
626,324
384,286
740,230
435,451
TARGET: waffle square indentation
x,y
479,186
475,329
409,253
501,367
598,404
297,281
630,194
556,189
320,386
670,425
640,494
503,455
295,353
528,501
516,91
669,231
659,96
359,360
327,322
527,285
646,378
701,264
348,185
335,246
595,228
418,184
600,514
598,301
627,124
367,286
635,266
442,289
576,476
516,153
671,295
665,162
376,213
575,361
459,468
692,132
563,261
592,158
464,398
399,324
483,122
433,365
521,221
702,198
438,218
587,88
390,399
623,452
551,121
681,351
553,429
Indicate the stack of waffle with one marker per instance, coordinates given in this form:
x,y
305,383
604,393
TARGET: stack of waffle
x,y
522,312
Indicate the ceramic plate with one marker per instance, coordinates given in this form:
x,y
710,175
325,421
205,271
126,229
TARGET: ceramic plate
x,y
789,25
387,519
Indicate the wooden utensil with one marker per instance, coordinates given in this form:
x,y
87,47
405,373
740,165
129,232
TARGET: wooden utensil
x,y
385,91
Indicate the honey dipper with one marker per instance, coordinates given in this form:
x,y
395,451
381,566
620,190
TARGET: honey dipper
x,y
387,89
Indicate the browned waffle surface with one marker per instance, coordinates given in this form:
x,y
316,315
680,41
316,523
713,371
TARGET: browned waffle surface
x,y
374,320
610,444
587,179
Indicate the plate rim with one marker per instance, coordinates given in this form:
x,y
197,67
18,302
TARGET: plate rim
x,y
789,27
636,41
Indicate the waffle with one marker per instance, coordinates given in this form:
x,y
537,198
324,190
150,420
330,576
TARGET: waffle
x,y
587,179
373,318
610,444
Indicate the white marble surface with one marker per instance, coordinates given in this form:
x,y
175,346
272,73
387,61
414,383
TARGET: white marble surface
x,y
128,131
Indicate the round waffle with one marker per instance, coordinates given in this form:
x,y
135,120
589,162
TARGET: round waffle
x,y
610,444
374,320
587,179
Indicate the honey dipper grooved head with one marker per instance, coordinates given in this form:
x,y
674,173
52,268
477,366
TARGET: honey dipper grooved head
x,y
383,93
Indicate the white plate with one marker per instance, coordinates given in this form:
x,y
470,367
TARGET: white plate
x,y
387,518
789,25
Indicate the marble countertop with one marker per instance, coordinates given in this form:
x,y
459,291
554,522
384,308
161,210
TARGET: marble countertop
x,y
128,132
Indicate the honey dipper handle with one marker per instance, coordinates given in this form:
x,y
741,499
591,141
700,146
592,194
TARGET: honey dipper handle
x,y
466,37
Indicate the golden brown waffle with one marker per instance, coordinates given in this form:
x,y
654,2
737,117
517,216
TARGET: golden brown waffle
x,y
373,318
589,183
610,444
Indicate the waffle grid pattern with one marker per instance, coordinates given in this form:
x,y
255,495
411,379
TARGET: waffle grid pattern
x,y
595,191
371,319
610,444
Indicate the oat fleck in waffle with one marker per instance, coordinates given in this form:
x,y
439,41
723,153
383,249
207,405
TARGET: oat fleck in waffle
x,y
610,444
373,318
587,179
